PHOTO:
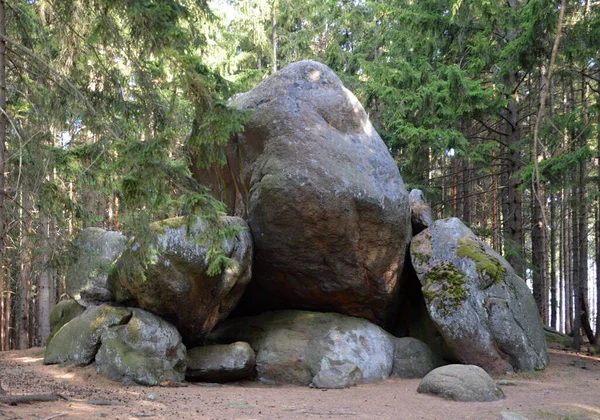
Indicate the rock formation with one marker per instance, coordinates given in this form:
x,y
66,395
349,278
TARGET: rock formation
x,y
484,311
94,251
323,197
176,285
292,347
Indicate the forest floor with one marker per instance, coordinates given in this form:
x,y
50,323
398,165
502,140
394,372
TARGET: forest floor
x,y
568,389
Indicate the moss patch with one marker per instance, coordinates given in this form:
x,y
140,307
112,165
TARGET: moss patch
x,y
484,263
445,288
172,223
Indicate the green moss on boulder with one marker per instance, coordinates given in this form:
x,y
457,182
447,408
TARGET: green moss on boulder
x,y
484,263
445,288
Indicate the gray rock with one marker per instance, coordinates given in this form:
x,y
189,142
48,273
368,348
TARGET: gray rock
x,y
176,285
292,347
413,358
145,351
77,342
323,197
553,336
220,363
420,212
483,310
95,252
461,383
62,313
337,377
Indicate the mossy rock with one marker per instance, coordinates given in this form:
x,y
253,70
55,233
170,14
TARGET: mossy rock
x,y
62,313
484,312
77,342
145,351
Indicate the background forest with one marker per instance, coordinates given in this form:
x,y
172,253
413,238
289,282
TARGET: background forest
x,y
491,108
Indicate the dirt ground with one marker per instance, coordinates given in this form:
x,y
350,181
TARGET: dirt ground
x,y
568,389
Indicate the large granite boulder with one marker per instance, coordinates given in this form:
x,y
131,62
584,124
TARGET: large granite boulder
x,y
220,362
484,311
63,312
176,284
145,351
323,197
294,347
77,342
467,383
95,251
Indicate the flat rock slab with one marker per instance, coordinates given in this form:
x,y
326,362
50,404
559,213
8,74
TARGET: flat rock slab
x,y
292,347
461,383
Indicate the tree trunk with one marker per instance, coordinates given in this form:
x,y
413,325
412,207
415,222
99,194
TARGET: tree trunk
x,y
553,280
46,289
23,284
5,296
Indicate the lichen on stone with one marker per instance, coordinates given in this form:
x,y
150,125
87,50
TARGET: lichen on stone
x,y
484,263
445,288
172,223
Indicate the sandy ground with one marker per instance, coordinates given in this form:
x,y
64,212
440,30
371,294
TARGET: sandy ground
x,y
568,389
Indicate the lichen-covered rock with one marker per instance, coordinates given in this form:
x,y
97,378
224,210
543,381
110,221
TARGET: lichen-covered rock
x,y
484,311
420,212
95,251
413,358
337,377
220,362
145,351
62,313
176,285
323,197
77,342
292,347
461,383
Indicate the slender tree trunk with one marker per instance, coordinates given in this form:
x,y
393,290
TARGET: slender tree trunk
x,y
598,238
4,297
46,289
553,280
23,284
274,11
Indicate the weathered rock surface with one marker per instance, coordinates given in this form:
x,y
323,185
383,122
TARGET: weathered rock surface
x,y
337,377
95,251
413,358
62,313
220,362
420,212
176,284
77,342
324,200
484,311
292,347
461,383
145,351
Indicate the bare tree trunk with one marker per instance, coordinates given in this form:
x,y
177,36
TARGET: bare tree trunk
x,y
3,130
598,242
553,280
46,295
23,284
274,11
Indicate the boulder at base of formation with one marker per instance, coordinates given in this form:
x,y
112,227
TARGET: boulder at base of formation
x,y
413,358
461,383
483,310
323,197
176,285
145,351
294,347
77,342
62,313
220,363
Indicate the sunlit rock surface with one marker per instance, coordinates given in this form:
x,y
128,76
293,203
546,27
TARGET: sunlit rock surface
x,y
323,197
